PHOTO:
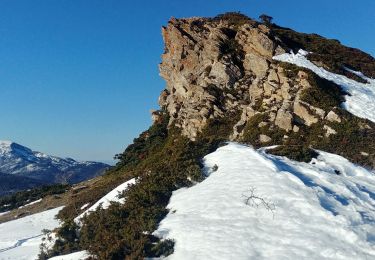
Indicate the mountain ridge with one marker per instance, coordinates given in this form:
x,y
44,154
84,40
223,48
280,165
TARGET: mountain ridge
x,y
20,161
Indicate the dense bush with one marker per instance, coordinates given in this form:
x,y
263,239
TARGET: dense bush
x,y
252,131
295,152
146,143
323,94
354,137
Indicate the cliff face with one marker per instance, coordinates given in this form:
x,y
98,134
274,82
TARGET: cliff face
x,y
216,68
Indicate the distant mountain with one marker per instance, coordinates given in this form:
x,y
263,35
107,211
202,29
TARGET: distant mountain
x,y
22,168
11,183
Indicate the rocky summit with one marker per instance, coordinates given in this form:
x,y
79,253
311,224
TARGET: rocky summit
x,y
213,68
225,67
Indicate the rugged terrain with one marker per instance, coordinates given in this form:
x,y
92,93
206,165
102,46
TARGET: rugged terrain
x,y
232,78
224,68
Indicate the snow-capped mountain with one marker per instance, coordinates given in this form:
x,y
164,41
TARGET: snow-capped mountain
x,y
19,161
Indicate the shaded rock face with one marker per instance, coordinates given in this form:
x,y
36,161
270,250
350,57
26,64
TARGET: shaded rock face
x,y
215,69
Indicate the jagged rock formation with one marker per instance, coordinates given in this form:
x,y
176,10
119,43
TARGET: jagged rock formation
x,y
218,68
213,69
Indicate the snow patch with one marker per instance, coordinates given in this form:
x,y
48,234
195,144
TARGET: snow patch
x,y
85,206
105,202
31,203
324,209
360,102
81,255
3,213
20,238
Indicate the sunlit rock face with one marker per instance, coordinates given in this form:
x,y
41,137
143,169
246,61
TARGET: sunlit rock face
x,y
215,68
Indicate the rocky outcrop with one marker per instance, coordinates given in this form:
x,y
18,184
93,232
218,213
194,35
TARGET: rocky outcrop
x,y
333,117
216,67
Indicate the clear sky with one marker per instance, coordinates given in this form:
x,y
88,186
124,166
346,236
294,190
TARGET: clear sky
x,y
79,77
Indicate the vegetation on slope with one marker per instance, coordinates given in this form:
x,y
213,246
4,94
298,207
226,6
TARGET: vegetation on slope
x,y
354,138
163,161
329,52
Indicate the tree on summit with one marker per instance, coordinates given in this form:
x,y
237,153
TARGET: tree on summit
x,y
266,18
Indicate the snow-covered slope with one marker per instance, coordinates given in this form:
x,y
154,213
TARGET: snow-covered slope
x,y
18,160
319,210
104,202
20,239
360,102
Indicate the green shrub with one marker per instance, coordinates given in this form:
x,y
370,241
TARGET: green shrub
x,y
298,153
252,131
67,241
323,94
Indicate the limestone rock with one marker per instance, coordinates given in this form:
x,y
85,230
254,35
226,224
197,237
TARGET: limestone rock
x,y
284,119
156,116
329,131
257,64
302,112
264,138
333,117
215,69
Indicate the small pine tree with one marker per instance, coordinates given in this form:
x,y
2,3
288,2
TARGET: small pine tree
x,y
266,18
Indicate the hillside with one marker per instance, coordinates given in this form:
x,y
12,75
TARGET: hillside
x,y
21,168
253,84
11,183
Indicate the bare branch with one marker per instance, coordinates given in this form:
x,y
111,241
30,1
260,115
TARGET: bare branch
x,y
253,200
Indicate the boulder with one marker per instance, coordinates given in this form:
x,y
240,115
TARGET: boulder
x,y
264,138
303,112
333,117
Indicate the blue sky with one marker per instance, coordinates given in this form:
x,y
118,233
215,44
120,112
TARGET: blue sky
x,y
78,78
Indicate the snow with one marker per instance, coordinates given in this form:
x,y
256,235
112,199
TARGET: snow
x,y
20,238
81,255
31,203
360,102
309,211
105,202
3,213
85,206
5,143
